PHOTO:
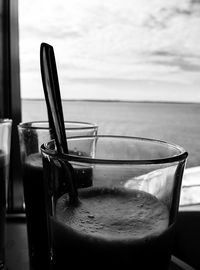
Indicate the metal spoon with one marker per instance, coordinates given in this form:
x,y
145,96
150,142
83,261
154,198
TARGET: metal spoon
x,y
52,96
55,112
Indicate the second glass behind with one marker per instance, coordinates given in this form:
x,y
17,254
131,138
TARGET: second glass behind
x,y
32,135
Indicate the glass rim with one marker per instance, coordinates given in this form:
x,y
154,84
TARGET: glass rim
x,y
85,125
5,120
82,159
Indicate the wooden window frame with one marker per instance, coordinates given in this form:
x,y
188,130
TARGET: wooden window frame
x,y
10,98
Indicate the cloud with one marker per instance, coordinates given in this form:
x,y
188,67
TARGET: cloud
x,y
127,39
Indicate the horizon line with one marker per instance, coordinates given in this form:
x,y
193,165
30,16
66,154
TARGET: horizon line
x,y
118,100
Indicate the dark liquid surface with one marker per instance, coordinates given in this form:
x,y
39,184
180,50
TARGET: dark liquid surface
x,y
112,228
34,165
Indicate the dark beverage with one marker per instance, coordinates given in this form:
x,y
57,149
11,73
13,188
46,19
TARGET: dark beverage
x,y
3,178
35,211
35,205
112,229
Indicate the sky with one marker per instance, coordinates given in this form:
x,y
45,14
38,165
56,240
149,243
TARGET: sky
x,y
130,49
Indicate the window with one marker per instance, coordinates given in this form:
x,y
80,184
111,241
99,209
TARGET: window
x,y
119,51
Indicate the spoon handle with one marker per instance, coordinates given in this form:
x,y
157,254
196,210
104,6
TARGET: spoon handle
x,y
52,95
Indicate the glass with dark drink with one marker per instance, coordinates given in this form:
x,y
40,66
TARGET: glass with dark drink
x,y
5,140
32,135
126,218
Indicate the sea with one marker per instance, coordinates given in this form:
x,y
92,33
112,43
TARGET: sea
x,y
126,50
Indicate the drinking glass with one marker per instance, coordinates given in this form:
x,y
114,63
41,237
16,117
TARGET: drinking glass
x,y
32,135
126,218
5,141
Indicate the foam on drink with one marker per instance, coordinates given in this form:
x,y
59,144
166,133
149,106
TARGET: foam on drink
x,y
114,214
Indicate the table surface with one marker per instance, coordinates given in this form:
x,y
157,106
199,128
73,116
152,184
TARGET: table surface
x,y
17,246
